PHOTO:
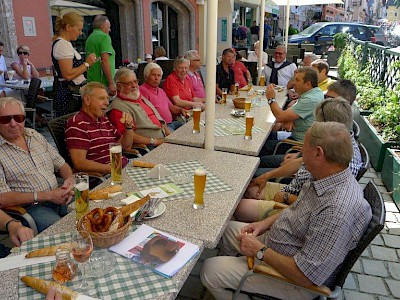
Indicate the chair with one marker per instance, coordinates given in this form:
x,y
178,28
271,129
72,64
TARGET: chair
x,y
252,67
20,213
374,198
140,72
365,160
167,66
356,130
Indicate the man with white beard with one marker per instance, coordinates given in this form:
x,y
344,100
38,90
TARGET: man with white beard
x,y
148,126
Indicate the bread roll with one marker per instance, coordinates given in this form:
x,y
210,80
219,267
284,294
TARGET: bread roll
x,y
104,192
43,286
130,208
47,251
143,164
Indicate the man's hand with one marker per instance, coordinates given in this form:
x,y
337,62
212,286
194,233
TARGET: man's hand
x,y
270,91
127,119
60,196
53,294
288,126
259,182
112,89
175,110
249,244
19,233
289,157
255,228
68,187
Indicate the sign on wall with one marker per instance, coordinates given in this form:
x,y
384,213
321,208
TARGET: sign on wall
x,y
222,30
29,26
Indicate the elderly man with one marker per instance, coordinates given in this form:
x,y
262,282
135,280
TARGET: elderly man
x,y
260,193
307,241
89,133
343,88
193,57
28,163
225,74
322,68
254,55
150,90
178,87
279,71
148,126
99,43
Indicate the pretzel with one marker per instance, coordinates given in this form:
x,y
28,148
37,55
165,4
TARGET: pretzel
x,y
105,223
92,216
103,220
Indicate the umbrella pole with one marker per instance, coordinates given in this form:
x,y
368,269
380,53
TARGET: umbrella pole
x,y
261,39
287,24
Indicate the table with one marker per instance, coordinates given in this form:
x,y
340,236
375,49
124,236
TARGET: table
x,y
263,118
47,84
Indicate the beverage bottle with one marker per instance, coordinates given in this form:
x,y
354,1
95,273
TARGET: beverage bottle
x,y
65,268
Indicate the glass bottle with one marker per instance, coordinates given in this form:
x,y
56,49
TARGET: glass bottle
x,y
65,268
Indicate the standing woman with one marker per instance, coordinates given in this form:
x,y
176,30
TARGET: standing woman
x,y
68,63
23,68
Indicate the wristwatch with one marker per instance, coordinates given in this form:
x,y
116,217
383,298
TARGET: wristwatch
x,y
271,100
260,253
152,141
35,198
285,197
87,65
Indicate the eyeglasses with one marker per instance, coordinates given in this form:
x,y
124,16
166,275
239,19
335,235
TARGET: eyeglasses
x,y
7,119
195,59
279,53
135,82
23,52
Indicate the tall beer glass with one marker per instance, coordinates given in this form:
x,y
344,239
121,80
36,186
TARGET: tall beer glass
x,y
262,80
247,105
196,119
116,163
81,190
200,176
249,125
224,96
236,89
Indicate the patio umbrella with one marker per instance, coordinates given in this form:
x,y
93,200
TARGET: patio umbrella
x,y
61,7
289,3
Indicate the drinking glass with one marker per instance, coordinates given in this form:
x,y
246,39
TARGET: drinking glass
x,y
196,119
10,74
48,74
262,80
247,105
224,96
200,177
116,163
249,125
81,191
81,248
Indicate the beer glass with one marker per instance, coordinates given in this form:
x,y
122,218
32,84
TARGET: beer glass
x,y
249,125
247,105
200,176
48,74
116,163
262,80
224,95
196,119
236,89
81,190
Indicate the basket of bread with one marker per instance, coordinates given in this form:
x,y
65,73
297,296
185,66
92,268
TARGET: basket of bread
x,y
239,103
110,225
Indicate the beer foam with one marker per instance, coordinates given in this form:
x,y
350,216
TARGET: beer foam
x,y
200,172
81,186
116,149
197,108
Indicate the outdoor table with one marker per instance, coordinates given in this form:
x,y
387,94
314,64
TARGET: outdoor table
x,y
224,120
47,84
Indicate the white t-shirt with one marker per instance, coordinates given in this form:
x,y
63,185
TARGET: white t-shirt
x,y
64,50
3,68
253,57
284,75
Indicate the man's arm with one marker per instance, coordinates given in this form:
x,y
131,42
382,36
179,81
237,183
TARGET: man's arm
x,y
285,170
106,66
81,163
18,232
140,139
182,103
281,116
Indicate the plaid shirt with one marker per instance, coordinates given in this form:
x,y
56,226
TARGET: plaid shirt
x,y
302,175
322,226
27,171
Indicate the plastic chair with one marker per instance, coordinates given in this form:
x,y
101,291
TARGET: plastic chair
x,y
374,198
356,130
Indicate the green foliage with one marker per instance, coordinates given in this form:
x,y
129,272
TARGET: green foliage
x,y
340,40
293,30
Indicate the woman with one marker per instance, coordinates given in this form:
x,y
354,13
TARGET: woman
x,y
23,68
253,55
68,63
160,53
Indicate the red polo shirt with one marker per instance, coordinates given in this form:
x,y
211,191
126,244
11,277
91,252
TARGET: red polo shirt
x,y
174,86
240,71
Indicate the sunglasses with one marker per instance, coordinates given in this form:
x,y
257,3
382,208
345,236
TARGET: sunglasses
x,y
23,52
7,119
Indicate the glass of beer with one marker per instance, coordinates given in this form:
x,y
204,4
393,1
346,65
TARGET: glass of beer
x,y
196,119
81,190
247,105
116,163
224,95
249,125
262,80
200,176
236,89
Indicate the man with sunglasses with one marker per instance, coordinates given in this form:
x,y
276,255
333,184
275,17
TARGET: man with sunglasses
x,y
279,71
28,163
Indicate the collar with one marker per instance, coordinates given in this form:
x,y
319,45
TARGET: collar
x,y
148,86
330,182
88,118
129,99
28,133
324,81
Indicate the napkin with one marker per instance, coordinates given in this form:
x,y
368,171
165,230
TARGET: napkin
x,y
158,172
12,262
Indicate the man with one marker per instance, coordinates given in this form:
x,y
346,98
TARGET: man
x,y
225,75
242,74
308,59
342,88
300,116
193,57
151,91
267,34
254,55
322,68
99,43
28,163
89,133
148,126
260,196
279,71
178,88
309,240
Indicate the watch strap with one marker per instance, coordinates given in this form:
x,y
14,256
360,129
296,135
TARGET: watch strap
x,y
35,198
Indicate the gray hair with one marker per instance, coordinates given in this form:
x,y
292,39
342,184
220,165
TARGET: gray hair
x,y
335,110
312,56
149,67
89,88
180,61
344,88
282,47
12,101
123,73
335,139
98,21
191,54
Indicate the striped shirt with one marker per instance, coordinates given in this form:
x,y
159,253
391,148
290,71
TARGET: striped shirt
x,y
322,226
28,171
94,136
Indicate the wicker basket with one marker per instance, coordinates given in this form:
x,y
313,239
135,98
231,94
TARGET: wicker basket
x,y
108,239
239,103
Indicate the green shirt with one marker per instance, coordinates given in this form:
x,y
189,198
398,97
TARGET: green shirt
x,y
305,108
99,42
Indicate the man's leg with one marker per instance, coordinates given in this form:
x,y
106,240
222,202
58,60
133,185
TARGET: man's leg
x,y
271,161
44,216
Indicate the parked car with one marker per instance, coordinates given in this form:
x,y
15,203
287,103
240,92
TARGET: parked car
x,y
379,37
321,34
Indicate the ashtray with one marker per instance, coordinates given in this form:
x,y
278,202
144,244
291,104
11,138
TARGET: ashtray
x,y
238,112
181,178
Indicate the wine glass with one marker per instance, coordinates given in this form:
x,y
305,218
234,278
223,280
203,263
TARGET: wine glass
x,y
81,248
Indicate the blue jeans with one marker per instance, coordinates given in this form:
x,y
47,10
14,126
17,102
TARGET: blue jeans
x,y
46,214
174,125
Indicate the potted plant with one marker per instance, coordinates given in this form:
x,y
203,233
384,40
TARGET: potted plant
x,y
339,43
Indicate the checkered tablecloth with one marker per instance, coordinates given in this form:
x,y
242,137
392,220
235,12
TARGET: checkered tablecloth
x,y
128,280
224,127
213,183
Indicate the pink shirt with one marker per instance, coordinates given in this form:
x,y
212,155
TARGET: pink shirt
x,y
197,84
159,99
240,71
